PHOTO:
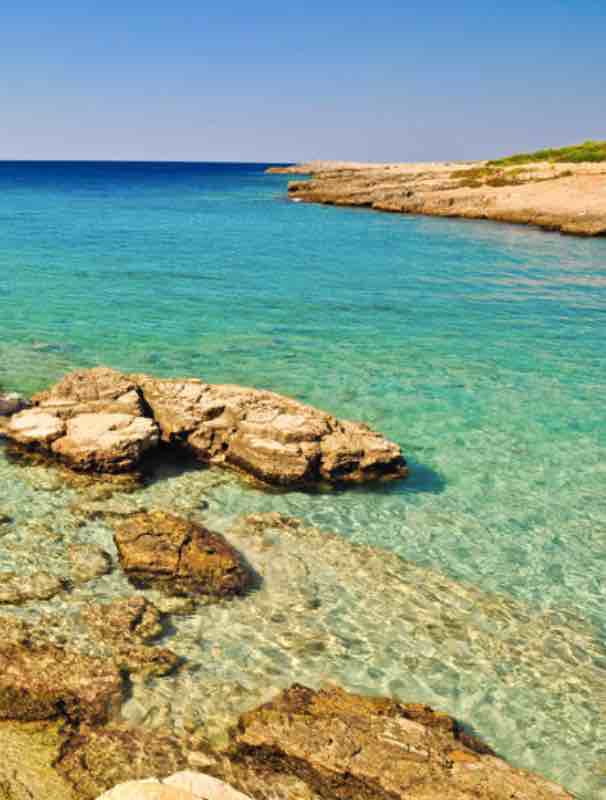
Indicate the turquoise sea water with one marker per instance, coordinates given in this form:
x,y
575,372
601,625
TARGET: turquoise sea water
x,y
480,348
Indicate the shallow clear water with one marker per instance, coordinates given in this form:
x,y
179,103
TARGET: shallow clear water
x,y
481,348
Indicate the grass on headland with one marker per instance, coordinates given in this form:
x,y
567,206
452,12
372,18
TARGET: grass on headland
x,y
578,153
497,177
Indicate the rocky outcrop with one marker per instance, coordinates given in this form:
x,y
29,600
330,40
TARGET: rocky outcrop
x,y
345,746
274,438
566,197
101,420
178,556
93,420
305,744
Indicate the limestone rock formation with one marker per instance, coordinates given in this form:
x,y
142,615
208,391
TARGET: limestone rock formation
x,y
274,438
35,427
101,420
566,197
106,442
92,419
349,747
180,557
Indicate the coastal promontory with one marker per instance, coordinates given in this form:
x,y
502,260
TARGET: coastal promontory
x,y
560,190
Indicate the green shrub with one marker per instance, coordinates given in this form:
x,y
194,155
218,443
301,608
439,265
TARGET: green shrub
x,y
587,152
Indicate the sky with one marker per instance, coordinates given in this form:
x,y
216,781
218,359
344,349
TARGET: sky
x,y
271,81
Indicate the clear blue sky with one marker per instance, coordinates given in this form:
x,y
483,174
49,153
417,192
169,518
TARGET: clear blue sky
x,y
234,80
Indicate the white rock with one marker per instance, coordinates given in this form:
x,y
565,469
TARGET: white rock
x,y
204,786
146,790
186,785
35,427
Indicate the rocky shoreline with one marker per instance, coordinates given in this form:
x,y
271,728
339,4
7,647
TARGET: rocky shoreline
x,y
63,731
62,736
565,197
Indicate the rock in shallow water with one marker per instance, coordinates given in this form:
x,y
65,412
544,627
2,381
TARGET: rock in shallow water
x,y
177,556
44,681
28,753
125,627
347,747
87,561
96,759
102,420
18,589
106,442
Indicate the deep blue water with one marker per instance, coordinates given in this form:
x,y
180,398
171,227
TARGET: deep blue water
x,y
481,348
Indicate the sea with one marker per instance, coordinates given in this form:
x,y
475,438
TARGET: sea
x,y
478,585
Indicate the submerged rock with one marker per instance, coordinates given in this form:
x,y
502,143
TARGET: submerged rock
x,y
87,561
125,627
346,746
44,681
101,420
178,556
18,589
28,753
132,618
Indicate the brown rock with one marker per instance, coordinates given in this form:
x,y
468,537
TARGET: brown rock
x,y
99,389
46,681
95,760
125,627
344,746
178,556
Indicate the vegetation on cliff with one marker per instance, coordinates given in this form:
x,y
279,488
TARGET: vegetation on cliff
x,y
578,153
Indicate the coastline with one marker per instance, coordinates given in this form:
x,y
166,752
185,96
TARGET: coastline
x,y
566,197
195,673
474,586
